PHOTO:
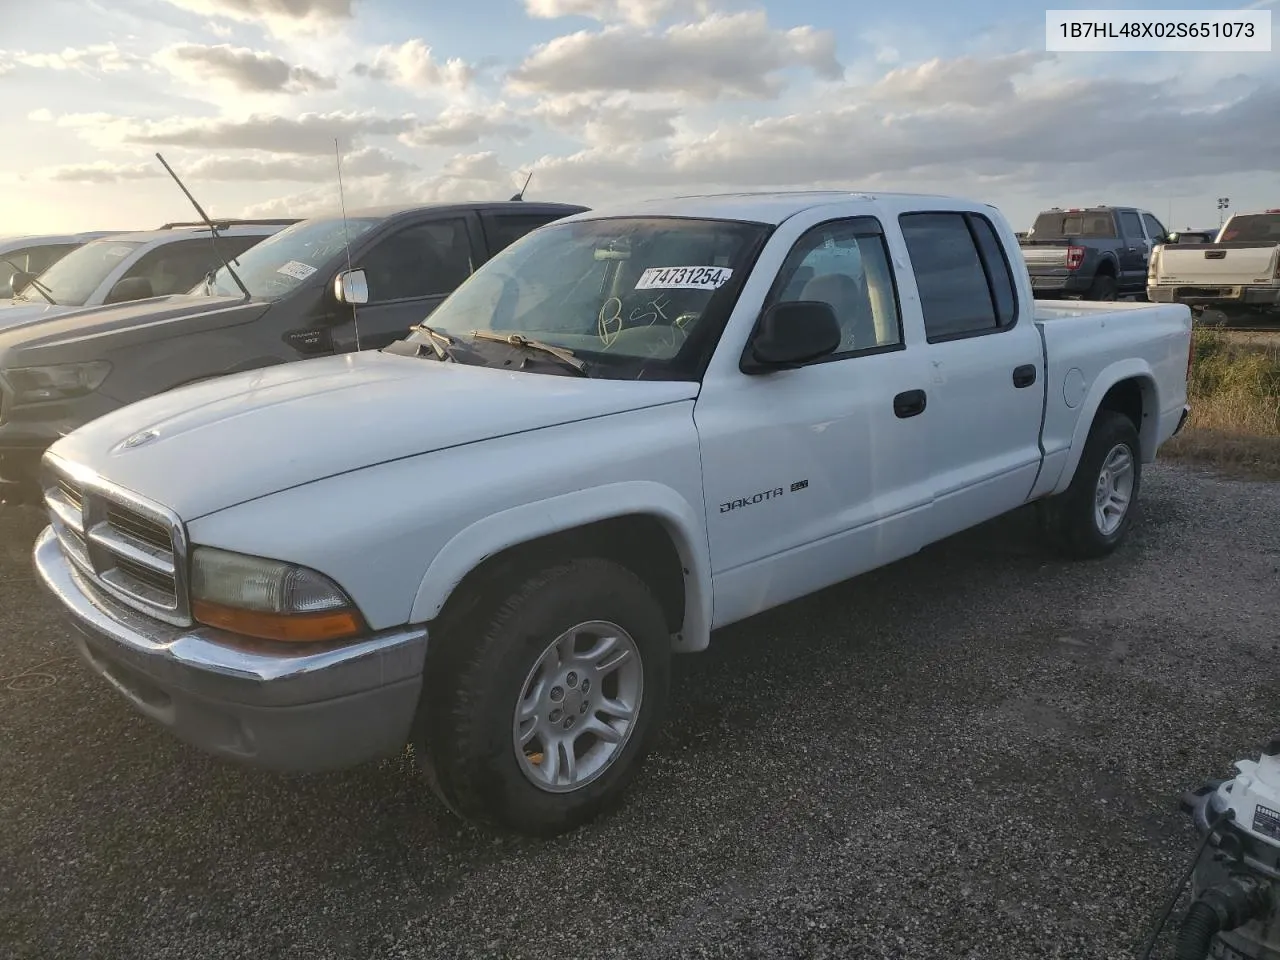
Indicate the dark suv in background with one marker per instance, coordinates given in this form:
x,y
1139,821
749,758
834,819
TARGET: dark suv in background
x,y
1093,253
58,373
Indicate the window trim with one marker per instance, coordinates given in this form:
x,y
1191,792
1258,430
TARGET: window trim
x,y
870,226
395,230
966,216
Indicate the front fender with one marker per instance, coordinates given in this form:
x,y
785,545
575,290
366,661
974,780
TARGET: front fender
x,y
1131,368
509,528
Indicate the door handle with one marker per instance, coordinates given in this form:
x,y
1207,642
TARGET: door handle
x,y
1025,375
909,403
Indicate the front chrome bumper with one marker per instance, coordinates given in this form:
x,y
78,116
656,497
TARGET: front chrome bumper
x,y
295,711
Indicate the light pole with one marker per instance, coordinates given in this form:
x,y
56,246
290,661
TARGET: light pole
x,y
1224,203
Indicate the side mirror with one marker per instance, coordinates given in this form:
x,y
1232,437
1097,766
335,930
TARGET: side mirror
x,y
130,288
793,333
20,281
351,286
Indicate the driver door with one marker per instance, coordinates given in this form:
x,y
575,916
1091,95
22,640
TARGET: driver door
x,y
815,474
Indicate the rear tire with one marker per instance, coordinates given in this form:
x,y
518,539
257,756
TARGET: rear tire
x,y
490,683
1103,288
1087,520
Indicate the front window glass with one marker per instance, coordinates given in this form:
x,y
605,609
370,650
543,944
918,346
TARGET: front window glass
x,y
74,278
279,264
633,297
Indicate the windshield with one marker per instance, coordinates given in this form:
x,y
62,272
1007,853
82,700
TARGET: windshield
x,y
633,297
280,263
73,279
1253,228
1054,226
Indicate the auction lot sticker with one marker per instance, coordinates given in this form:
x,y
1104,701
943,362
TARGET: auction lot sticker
x,y
683,278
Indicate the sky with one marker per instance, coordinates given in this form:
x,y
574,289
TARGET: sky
x,y
608,100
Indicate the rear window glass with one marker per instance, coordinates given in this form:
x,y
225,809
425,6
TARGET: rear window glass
x,y
1054,225
1255,227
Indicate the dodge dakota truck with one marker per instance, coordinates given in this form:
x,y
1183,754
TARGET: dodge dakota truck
x,y
485,541
1238,272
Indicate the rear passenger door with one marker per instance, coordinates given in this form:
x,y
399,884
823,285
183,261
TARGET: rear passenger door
x,y
410,272
984,377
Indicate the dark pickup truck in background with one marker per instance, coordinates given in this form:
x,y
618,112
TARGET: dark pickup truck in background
x,y
285,299
1092,253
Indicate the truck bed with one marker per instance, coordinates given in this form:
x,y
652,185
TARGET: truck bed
x,y
1150,338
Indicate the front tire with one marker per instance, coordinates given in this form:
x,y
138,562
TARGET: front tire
x,y
1092,516
538,711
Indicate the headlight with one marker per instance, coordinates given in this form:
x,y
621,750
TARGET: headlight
x,y
269,599
61,382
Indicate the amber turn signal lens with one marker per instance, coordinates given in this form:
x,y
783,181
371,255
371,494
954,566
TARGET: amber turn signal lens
x,y
290,628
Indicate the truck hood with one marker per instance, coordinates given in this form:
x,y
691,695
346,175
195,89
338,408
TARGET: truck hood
x,y
48,334
211,445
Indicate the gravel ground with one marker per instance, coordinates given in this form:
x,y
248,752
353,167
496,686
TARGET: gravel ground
x,y
976,752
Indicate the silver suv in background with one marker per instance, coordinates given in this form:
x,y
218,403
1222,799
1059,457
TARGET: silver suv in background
x,y
34,254
132,266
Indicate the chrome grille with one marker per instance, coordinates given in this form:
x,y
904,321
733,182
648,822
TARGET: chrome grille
x,y
134,549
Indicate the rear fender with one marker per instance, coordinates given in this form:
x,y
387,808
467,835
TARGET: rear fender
x,y
1131,368
501,531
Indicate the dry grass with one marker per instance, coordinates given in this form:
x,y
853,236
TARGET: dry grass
x,y
1235,407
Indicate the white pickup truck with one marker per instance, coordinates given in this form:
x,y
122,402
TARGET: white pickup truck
x,y
627,429
1239,271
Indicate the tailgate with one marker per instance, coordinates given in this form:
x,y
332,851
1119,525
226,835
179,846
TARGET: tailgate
x,y
1044,257
1219,264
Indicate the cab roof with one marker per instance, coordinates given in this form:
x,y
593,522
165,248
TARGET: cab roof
x,y
771,207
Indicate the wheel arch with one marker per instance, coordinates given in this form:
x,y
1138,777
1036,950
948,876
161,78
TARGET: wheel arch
x,y
1129,388
645,526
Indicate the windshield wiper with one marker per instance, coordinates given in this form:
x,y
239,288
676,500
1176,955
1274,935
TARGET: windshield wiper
x,y
440,342
519,340
33,282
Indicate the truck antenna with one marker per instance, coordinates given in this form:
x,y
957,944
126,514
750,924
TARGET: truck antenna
x,y
346,239
520,195
213,230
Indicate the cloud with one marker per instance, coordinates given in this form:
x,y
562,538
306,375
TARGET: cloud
x,y
1137,133
725,55
645,13
96,58
457,127
279,16
611,121
474,176
965,80
413,66
252,71
367,162
309,133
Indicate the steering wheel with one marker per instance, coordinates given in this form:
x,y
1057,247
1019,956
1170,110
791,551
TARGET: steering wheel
x,y
657,341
